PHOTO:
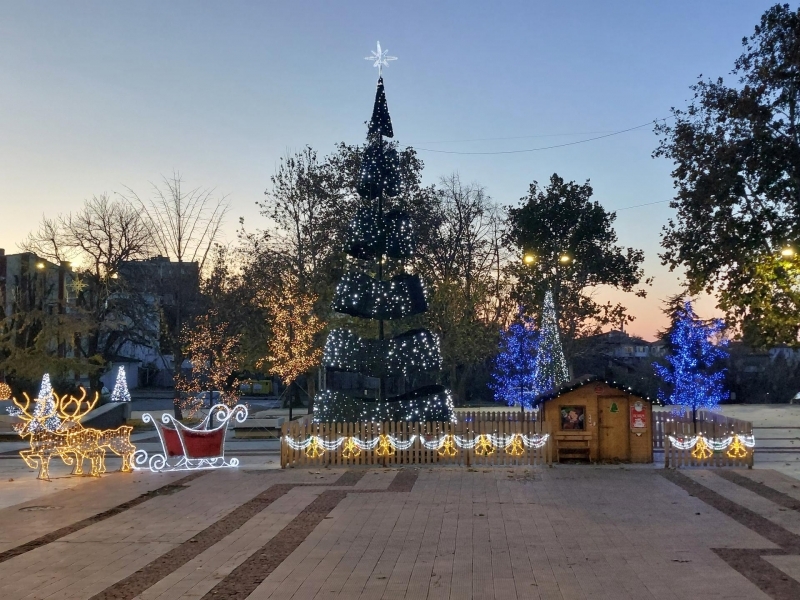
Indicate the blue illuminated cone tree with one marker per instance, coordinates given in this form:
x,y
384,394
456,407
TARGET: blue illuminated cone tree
x,y
692,375
514,377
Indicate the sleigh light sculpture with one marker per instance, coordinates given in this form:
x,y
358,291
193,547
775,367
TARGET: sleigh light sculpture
x,y
191,448
70,441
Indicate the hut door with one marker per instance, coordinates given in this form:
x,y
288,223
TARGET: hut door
x,y
613,426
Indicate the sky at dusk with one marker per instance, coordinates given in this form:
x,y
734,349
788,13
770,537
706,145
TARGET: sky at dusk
x,y
96,96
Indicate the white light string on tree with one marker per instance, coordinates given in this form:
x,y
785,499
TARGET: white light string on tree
x,y
378,286
120,392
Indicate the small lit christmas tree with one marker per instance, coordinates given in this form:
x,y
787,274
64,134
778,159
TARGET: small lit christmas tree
x,y
45,404
514,378
551,366
121,393
692,378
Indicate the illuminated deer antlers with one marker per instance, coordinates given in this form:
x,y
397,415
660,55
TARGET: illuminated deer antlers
x,y
23,408
76,414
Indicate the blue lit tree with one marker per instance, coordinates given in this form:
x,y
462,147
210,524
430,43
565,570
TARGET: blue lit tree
x,y
692,376
514,378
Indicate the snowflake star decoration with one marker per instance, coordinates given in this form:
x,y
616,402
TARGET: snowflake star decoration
x,y
380,59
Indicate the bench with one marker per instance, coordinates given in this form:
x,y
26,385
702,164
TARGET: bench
x,y
573,446
259,428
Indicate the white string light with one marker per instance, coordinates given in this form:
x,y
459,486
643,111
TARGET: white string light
x,y
535,441
687,443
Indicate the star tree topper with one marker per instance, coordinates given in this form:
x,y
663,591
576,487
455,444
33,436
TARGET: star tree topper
x,y
380,58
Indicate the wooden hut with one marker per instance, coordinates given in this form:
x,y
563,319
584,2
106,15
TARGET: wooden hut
x,y
595,419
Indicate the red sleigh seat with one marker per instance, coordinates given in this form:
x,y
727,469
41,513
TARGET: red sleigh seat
x,y
187,448
199,443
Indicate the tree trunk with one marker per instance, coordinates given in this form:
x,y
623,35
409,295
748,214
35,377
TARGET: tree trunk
x,y
177,357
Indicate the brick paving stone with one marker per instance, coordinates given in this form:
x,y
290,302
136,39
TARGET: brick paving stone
x,y
78,508
439,532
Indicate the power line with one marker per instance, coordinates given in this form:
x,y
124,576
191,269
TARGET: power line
x,y
640,205
600,137
519,137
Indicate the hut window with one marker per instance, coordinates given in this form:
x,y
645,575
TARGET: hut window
x,y
572,417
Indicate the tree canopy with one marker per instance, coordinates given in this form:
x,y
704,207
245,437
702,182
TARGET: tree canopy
x,y
565,242
736,151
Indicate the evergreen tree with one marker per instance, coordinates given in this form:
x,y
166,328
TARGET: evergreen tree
x,y
551,366
120,392
692,378
514,378
45,404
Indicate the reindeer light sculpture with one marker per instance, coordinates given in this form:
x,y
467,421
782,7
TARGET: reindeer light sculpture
x,y
72,442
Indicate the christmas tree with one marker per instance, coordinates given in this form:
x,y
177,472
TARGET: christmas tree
x,y
379,288
692,378
45,405
514,378
551,366
120,392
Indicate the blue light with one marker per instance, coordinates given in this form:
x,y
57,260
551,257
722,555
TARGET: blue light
x,y
693,381
515,372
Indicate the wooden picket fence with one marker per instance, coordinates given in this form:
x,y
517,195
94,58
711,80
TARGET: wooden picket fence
x,y
470,425
712,426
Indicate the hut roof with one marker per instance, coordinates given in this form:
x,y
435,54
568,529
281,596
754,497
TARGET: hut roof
x,y
586,379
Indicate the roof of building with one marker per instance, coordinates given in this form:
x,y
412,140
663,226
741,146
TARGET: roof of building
x,y
585,379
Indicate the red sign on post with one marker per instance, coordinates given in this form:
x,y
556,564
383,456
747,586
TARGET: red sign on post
x,y
638,416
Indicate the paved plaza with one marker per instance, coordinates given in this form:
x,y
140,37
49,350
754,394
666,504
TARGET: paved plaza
x,y
570,531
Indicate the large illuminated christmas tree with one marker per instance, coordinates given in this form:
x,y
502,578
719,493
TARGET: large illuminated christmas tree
x,y
379,287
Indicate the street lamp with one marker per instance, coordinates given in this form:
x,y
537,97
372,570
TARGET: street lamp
x,y
565,259
529,259
787,252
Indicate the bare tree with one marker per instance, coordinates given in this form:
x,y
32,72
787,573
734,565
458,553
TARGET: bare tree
x,y
302,203
463,256
97,240
183,226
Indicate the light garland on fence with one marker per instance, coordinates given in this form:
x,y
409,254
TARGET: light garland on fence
x,y
703,447
484,444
